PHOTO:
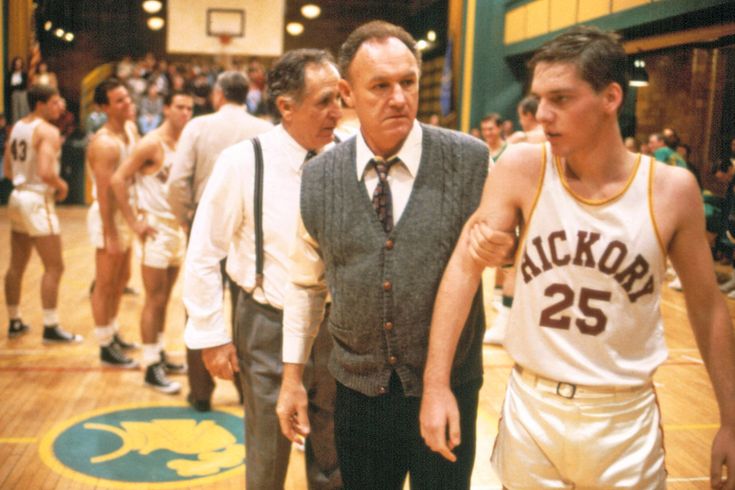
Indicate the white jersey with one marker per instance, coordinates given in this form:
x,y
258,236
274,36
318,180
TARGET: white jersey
x,y
151,189
24,160
588,275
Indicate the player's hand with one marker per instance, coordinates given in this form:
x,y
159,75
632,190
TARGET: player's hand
x,y
723,454
61,191
221,361
112,244
143,229
491,248
439,419
292,410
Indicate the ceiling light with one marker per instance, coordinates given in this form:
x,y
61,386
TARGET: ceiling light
x,y
155,23
152,6
48,25
295,28
639,76
59,32
69,36
311,11
431,36
422,44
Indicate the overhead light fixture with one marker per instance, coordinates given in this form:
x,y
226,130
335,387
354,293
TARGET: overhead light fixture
x,y
59,32
295,28
69,37
311,11
155,23
422,44
48,25
431,36
152,6
639,76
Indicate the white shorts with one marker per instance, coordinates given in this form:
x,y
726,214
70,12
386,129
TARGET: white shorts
x,y
598,439
167,248
96,230
32,213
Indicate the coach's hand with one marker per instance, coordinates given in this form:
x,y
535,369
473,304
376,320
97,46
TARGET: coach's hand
x,y
292,407
439,419
489,247
221,361
723,454
143,229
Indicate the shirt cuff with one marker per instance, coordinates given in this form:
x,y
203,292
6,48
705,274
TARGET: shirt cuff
x,y
199,338
296,349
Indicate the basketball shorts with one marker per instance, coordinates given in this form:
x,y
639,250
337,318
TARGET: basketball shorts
x,y
556,435
32,213
96,230
167,248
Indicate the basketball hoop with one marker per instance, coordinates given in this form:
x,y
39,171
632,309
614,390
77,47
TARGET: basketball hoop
x,y
225,39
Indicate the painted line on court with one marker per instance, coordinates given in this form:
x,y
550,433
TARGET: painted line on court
x,y
693,359
687,479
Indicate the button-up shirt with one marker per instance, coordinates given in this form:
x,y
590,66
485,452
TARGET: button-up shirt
x,y
307,291
201,142
224,226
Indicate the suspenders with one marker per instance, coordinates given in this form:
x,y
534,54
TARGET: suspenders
x,y
258,213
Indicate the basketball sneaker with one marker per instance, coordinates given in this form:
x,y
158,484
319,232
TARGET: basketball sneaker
x,y
112,355
496,333
172,367
54,334
122,344
155,377
16,328
728,285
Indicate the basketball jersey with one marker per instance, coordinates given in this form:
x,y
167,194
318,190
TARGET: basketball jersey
x,y
126,149
151,189
23,158
588,274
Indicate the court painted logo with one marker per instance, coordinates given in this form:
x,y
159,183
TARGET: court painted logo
x,y
161,446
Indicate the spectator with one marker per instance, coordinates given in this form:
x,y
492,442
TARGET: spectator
x,y
17,89
44,77
151,110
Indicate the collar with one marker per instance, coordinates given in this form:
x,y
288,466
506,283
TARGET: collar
x,y
296,152
410,152
232,107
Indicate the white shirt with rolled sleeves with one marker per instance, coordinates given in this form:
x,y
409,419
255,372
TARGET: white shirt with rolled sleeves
x,y
201,142
224,226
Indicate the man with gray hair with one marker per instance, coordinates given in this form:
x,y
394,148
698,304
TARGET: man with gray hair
x,y
248,213
201,142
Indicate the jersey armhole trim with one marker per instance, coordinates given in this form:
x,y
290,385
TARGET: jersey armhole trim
x,y
539,186
651,175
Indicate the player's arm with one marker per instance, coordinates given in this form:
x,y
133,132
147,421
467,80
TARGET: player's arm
x,y
48,146
181,180
706,308
145,153
7,164
103,154
500,210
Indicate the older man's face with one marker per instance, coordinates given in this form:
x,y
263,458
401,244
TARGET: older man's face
x,y
383,87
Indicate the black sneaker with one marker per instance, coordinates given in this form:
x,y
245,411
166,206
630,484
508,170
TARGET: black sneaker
x,y
54,334
155,377
122,344
16,328
172,367
130,291
111,355
199,405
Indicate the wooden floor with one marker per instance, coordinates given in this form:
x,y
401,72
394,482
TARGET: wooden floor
x,y
42,387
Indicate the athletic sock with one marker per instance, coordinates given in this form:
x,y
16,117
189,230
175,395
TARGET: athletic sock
x,y
114,325
104,334
14,312
507,301
50,317
151,354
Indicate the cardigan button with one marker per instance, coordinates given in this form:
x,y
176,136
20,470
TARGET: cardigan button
x,y
382,390
392,360
388,326
389,244
387,286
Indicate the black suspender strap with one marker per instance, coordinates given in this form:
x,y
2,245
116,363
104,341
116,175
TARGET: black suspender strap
x,y
258,213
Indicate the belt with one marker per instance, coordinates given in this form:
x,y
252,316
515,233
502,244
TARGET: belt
x,y
571,390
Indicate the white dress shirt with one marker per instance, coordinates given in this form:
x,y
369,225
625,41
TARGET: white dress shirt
x,y
201,142
224,226
307,291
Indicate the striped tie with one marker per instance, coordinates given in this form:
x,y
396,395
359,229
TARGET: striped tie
x,y
382,200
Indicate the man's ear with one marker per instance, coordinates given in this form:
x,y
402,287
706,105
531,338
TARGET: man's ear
x,y
613,97
345,92
285,106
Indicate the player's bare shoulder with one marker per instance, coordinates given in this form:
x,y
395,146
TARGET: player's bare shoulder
x,y
676,199
521,164
103,147
149,153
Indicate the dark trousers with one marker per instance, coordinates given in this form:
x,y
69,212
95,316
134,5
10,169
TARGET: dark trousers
x,y
201,383
258,338
379,441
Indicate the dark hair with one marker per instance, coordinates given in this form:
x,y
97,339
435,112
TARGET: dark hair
x,y
40,93
379,30
686,147
234,86
494,117
169,97
101,90
287,75
598,55
672,139
529,105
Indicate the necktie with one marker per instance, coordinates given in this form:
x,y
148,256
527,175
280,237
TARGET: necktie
x,y
309,155
382,200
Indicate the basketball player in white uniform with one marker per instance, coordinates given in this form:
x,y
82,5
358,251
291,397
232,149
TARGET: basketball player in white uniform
x,y
586,333
31,161
163,241
108,232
